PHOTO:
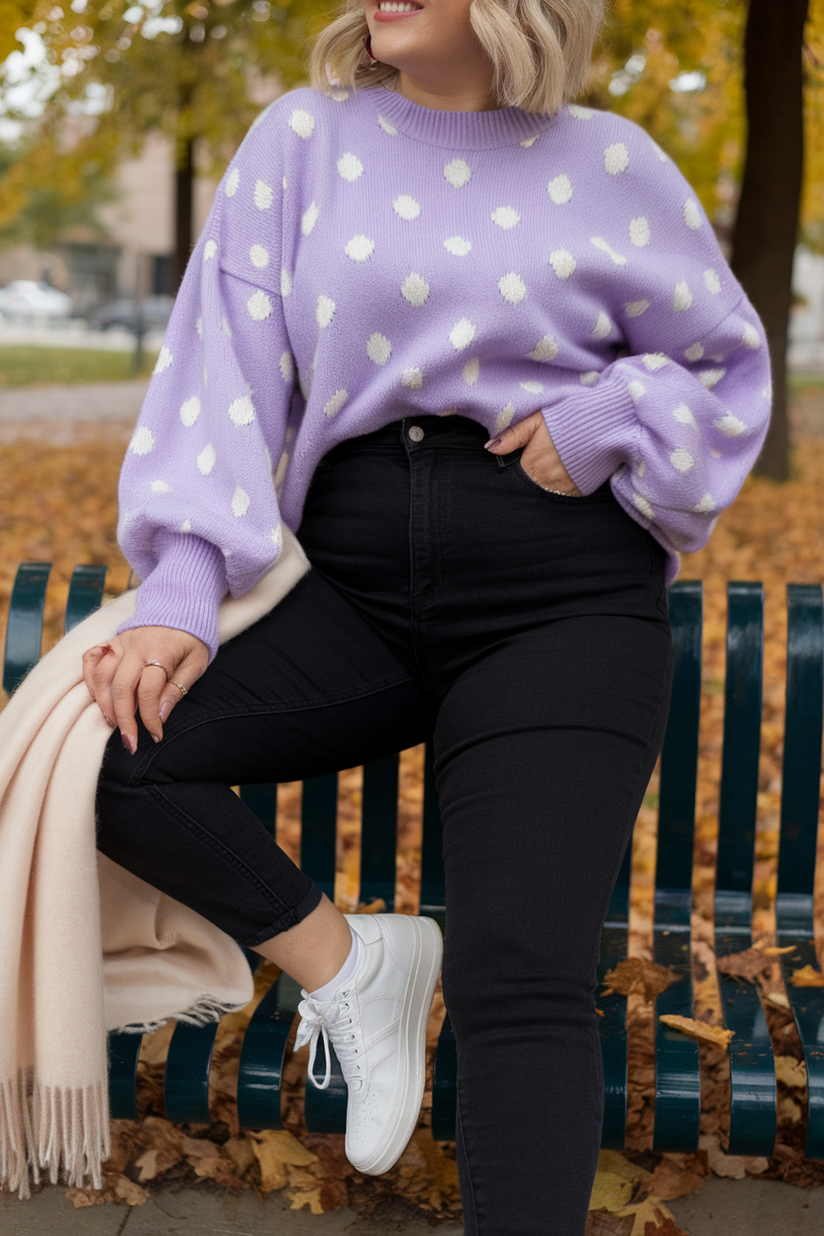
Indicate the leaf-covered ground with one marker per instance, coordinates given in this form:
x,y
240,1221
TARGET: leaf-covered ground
x,y
58,504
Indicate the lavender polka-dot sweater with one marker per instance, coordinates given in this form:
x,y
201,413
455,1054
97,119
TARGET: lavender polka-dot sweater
x,y
367,258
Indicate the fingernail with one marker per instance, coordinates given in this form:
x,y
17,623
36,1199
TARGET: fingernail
x,y
157,737
129,743
492,443
165,709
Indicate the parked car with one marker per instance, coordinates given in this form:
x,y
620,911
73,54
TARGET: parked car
x,y
23,298
121,314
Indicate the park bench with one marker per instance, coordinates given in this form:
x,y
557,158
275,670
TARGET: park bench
x,y
677,1070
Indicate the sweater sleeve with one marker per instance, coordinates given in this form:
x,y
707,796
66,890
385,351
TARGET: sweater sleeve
x,y
198,510
677,419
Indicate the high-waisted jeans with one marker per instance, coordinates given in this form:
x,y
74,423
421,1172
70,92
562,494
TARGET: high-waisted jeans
x,y
527,633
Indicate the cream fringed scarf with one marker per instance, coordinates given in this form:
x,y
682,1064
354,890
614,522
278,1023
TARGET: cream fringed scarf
x,y
86,947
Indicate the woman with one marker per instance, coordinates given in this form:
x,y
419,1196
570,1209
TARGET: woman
x,y
493,343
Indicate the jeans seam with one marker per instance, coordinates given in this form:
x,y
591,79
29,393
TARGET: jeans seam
x,y
300,705
218,846
474,1229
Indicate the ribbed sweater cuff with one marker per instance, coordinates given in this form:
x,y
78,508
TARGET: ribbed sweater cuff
x,y
184,590
592,431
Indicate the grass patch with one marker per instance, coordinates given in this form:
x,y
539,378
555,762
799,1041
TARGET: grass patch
x,y
31,365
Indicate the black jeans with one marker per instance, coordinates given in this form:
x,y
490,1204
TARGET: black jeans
x,y
528,633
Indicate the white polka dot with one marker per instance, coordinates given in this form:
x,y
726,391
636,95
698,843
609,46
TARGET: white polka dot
x,y
684,415
412,378
530,141
333,406
562,262
259,256
406,206
662,154
694,352
730,426
751,338
378,348
681,459
199,327
457,246
636,390
639,232
190,411
706,505
457,173
512,288
711,377
206,459
415,289
263,195
160,487
359,248
606,247
462,334
683,297
471,371
277,538
302,122
714,453
340,96
602,327
209,250
640,468
287,366
616,158
534,388
259,306
387,127
350,167
242,411
654,361
545,349
284,182
285,281
560,189
643,506
506,217
240,502
589,378
142,442
580,113
692,214
309,218
186,526
504,417
232,182
325,311
225,327
634,308
767,391
712,281
164,360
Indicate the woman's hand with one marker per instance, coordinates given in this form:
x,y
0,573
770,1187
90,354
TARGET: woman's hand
x,y
122,678
539,460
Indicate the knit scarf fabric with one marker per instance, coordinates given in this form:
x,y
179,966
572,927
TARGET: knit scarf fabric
x,y
85,946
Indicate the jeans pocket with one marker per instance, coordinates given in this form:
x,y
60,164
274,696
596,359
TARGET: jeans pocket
x,y
552,494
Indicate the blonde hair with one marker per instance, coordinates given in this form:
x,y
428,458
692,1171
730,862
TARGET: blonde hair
x,y
541,50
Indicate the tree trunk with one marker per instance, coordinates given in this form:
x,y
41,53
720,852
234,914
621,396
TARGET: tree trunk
x,y
766,229
184,182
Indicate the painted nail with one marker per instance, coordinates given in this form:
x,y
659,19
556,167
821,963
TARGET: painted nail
x,y
492,443
129,743
165,709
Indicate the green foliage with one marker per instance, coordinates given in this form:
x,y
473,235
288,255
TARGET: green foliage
x,y
46,193
29,365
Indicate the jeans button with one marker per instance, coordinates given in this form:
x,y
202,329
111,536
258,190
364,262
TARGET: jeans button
x,y
416,433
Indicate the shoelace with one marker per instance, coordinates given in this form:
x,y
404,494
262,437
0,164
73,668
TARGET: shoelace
x,y
327,1019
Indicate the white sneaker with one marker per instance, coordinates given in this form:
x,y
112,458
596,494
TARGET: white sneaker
x,y
377,1025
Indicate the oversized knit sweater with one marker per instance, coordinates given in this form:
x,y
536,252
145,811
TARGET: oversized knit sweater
x,y
367,259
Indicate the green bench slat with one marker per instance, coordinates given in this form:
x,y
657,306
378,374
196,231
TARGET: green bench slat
x,y
123,1052
85,594
318,826
752,1066
186,1076
24,631
613,1027
262,1056
801,778
677,1073
263,800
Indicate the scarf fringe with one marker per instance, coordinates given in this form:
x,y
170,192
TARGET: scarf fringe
x,y
54,1131
201,1013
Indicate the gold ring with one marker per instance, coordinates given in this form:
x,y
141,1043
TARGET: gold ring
x,y
180,688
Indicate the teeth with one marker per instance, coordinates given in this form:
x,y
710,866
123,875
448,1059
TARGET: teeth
x,y
389,6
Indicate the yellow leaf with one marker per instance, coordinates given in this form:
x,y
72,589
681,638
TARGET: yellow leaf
x,y
610,1192
790,1071
306,1197
807,977
697,1029
778,998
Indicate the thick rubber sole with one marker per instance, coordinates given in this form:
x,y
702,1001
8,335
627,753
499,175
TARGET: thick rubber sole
x,y
423,978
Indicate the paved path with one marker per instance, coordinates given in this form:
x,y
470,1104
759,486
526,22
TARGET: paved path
x,y
83,401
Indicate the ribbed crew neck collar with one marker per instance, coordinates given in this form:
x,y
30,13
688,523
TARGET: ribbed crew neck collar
x,y
456,130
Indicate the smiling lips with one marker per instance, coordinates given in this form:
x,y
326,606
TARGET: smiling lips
x,y
392,10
